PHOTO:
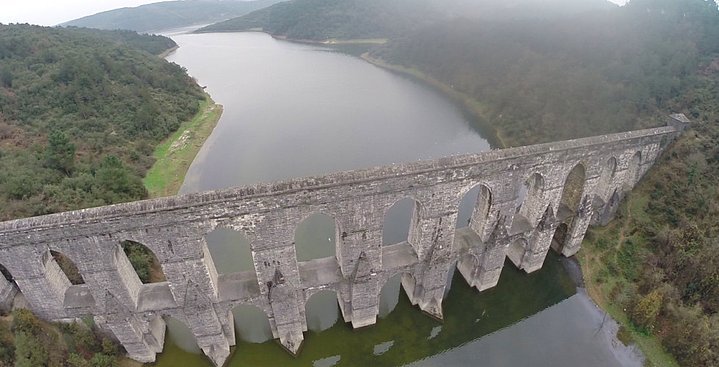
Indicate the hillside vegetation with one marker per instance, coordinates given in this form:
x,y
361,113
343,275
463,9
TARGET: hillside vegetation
x,y
80,114
548,79
326,19
169,14
319,20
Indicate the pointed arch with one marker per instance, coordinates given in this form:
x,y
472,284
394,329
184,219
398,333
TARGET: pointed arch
x,y
572,191
322,310
561,235
452,270
390,292
474,208
67,266
181,335
467,265
251,324
516,251
316,237
609,170
607,211
633,170
399,220
145,263
530,198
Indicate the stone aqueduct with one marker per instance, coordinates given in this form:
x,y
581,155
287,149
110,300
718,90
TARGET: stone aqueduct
x,y
569,185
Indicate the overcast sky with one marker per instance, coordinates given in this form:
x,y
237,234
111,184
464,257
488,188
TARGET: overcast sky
x,y
52,12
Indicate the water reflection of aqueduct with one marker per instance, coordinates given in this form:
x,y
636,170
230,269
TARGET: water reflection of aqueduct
x,y
528,200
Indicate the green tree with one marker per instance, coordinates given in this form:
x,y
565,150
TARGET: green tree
x,y
646,309
117,183
29,351
6,77
60,152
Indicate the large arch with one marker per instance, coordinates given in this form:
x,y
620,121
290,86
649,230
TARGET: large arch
x,y
390,292
322,310
146,264
453,268
67,266
572,191
609,170
251,324
474,208
516,251
561,235
466,265
633,170
530,198
231,250
181,335
398,221
316,237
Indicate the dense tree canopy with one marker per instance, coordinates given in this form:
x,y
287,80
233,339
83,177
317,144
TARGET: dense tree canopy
x,y
80,113
557,78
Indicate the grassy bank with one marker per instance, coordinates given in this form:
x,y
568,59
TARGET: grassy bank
x,y
479,110
175,155
615,245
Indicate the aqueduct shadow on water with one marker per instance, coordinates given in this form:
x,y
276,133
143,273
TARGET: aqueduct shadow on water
x,y
529,199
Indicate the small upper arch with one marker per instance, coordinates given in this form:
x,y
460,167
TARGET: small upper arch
x,y
144,261
474,206
316,237
398,220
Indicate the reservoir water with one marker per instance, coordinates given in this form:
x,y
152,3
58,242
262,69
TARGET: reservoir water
x,y
294,110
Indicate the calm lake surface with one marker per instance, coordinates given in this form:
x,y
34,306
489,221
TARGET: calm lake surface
x,y
295,110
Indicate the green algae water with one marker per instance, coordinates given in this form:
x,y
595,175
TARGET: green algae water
x,y
406,334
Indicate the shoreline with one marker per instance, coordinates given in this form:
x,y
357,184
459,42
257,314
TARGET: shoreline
x,y
175,154
478,111
168,52
330,41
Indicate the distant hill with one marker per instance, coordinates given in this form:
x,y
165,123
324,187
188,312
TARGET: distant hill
x,y
347,19
325,19
169,14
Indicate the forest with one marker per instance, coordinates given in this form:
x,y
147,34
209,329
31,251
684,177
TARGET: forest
x,y
81,112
